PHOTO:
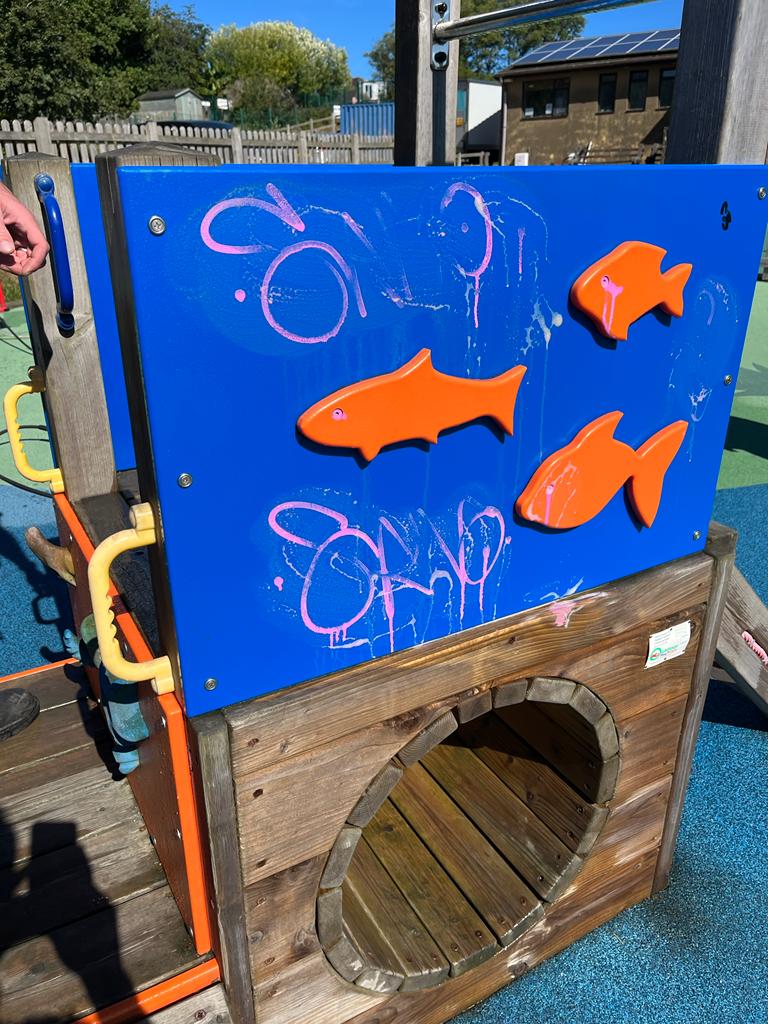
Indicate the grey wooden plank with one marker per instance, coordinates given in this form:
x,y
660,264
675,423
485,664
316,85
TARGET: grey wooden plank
x,y
721,545
54,687
207,1007
564,810
97,961
210,748
53,733
529,846
428,738
389,935
339,857
75,879
743,636
458,930
720,114
375,795
494,889
74,397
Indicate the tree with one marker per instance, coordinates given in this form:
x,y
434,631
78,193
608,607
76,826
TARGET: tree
x,y
275,66
178,43
487,54
76,59
382,59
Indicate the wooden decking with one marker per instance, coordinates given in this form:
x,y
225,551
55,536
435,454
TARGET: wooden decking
x,y
474,840
86,916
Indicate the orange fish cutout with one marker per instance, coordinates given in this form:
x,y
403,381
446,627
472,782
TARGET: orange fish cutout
x,y
416,402
577,482
628,283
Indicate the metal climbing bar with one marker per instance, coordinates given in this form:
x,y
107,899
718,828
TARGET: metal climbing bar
x,y
522,14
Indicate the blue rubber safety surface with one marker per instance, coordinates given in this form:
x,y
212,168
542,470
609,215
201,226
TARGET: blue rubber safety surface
x,y
34,604
694,954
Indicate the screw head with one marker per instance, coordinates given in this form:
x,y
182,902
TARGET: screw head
x,y
762,192
156,225
727,379
697,534
184,480
211,684
178,833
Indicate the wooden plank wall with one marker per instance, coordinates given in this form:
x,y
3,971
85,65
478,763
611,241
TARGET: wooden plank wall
x,y
302,759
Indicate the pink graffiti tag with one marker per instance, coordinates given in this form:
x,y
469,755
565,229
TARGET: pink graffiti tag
x,y
482,209
378,579
280,208
459,562
349,274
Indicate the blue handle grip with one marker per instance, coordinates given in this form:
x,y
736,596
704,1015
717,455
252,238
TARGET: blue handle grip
x,y
62,274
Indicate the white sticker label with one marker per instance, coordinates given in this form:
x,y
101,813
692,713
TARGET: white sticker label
x,y
668,644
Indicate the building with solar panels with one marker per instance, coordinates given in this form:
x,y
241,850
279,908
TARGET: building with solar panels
x,y
601,100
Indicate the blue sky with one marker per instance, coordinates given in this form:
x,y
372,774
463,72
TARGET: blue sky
x,y
357,24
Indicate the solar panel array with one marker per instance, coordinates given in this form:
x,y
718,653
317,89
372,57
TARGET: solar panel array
x,y
628,44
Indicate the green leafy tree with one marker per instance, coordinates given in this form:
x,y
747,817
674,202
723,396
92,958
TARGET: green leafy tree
x,y
381,57
276,66
487,54
179,51
76,59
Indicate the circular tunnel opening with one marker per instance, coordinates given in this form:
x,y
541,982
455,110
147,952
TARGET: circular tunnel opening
x,y
464,838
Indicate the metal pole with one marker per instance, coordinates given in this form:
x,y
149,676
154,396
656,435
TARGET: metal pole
x,y
523,14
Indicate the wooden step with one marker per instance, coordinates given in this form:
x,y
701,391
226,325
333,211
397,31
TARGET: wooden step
x,y
208,1007
87,916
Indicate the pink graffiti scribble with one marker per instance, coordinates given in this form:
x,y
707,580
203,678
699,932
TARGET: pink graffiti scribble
x,y
459,564
482,209
240,295
349,274
279,581
562,612
520,240
377,579
280,208
338,631
755,647
612,292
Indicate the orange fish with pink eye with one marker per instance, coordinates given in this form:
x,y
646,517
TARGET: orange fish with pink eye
x,y
628,283
416,402
577,482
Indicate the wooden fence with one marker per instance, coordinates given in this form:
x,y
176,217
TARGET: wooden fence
x,y
79,142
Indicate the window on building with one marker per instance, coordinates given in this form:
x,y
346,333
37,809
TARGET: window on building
x,y
547,98
606,95
638,90
666,86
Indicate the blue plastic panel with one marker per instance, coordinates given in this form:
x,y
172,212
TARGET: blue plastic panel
x,y
288,561
105,319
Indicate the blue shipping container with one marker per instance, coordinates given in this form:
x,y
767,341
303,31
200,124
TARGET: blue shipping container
x,y
368,118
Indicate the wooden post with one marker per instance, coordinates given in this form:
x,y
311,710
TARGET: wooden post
x,y
355,148
209,737
720,114
303,148
43,141
74,395
415,122
721,546
237,146
153,131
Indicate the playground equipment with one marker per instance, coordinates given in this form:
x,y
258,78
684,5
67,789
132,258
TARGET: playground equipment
x,y
430,599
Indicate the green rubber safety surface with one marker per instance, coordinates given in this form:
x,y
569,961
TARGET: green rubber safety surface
x,y
15,359
745,459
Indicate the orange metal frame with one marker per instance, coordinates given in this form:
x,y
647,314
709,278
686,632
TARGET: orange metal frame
x,y
150,1000
36,671
189,812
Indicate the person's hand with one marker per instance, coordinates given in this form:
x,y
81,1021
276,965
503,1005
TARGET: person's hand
x,y
23,247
